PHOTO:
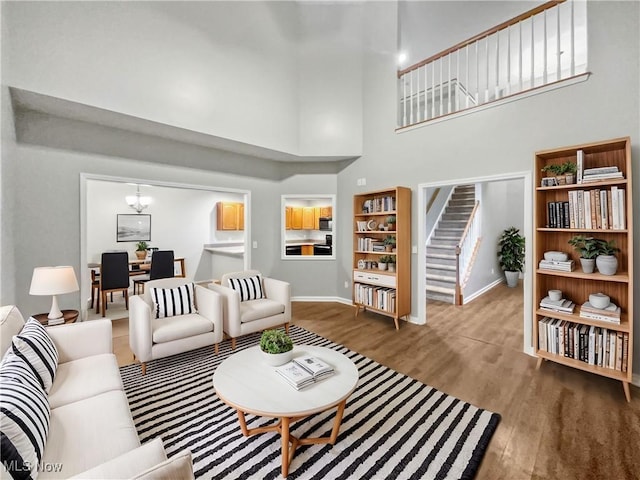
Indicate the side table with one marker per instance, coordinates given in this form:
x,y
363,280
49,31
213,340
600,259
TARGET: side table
x,y
70,316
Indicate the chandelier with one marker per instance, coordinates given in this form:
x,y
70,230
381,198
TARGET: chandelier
x,y
138,202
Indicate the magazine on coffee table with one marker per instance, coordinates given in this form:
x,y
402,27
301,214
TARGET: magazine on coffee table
x,y
303,371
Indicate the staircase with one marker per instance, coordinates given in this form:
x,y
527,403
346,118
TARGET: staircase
x,y
441,250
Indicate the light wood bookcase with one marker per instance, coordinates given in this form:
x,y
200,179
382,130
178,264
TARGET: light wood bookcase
x,y
577,285
382,291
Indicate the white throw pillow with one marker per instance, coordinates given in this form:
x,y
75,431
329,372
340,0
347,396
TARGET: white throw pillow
x,y
24,418
249,288
34,345
170,302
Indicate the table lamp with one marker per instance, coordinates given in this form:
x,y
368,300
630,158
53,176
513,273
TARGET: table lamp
x,y
53,281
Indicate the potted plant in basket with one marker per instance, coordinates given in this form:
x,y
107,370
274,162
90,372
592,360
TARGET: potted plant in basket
x,y
588,248
511,254
389,243
391,222
276,346
391,264
569,169
141,250
554,171
606,260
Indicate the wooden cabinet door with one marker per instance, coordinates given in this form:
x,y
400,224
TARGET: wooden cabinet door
x,y
296,218
307,249
325,212
308,218
287,218
230,216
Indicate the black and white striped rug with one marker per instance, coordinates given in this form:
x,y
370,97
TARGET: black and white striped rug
x,y
393,427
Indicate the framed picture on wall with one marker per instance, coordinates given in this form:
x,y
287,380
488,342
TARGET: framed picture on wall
x,y
133,228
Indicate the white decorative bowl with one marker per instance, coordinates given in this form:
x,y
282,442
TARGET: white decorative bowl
x,y
555,256
277,359
555,294
599,300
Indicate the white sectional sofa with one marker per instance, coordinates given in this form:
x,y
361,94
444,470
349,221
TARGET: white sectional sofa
x,y
91,432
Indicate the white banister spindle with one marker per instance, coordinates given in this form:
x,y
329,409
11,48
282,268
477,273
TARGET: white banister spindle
x,y
533,51
411,96
544,47
508,60
457,107
449,87
477,74
497,88
486,56
573,44
404,100
433,89
466,82
520,56
441,89
424,108
558,52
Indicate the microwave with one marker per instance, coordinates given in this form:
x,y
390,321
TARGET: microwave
x,y
325,224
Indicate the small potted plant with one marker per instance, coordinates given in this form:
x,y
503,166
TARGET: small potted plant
x,y
554,171
606,260
276,346
511,255
389,243
588,248
391,264
383,262
569,169
391,222
141,250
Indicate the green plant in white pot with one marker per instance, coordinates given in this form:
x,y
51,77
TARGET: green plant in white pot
x,y
511,255
606,260
276,346
588,248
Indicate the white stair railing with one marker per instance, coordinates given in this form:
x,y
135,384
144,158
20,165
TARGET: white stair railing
x,y
464,251
545,45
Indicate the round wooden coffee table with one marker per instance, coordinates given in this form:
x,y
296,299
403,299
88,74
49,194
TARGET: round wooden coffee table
x,y
247,383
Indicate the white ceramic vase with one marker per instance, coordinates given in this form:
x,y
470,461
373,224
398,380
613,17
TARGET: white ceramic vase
x,y
607,264
588,264
277,359
512,278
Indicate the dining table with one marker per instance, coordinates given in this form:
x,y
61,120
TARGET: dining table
x,y
141,267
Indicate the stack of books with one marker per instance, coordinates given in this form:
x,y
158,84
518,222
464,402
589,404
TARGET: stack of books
x,y
609,314
563,305
566,266
600,174
304,371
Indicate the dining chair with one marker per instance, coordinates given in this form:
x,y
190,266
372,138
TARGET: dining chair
x,y
114,276
161,267
95,288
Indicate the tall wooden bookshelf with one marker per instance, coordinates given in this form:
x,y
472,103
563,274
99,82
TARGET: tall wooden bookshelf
x,y
382,291
577,285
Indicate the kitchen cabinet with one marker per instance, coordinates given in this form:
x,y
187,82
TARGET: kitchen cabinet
x,y
325,212
307,249
308,218
230,215
287,218
296,218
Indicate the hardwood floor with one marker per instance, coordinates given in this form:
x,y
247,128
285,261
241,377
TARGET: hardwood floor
x,y
557,422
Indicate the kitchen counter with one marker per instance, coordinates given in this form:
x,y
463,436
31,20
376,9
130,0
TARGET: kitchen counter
x,y
226,248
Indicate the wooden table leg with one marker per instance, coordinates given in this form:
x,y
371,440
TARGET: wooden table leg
x,y
285,446
337,422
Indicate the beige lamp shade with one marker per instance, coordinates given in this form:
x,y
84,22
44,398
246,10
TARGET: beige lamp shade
x,y
53,281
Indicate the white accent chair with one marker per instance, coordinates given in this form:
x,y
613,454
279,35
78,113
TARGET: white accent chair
x,y
151,338
249,316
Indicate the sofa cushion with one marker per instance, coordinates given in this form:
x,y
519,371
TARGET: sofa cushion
x,y
89,432
170,302
24,420
35,346
183,326
11,322
128,464
258,309
249,288
179,466
84,378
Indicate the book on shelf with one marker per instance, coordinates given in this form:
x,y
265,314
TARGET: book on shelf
x,y
562,305
599,170
304,371
598,209
579,166
610,314
566,266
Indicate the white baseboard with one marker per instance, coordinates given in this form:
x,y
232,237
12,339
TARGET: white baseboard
x,y
467,299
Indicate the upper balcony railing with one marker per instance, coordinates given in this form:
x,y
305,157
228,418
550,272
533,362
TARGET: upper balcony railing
x,y
541,47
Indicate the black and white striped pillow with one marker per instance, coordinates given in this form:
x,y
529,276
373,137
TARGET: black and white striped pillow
x,y
171,302
35,347
249,288
24,418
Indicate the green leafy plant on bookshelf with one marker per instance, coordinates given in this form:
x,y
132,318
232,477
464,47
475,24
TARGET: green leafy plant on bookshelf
x,y
606,261
588,248
511,254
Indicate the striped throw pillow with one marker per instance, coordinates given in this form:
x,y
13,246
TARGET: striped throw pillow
x,y
249,288
170,302
24,418
35,347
